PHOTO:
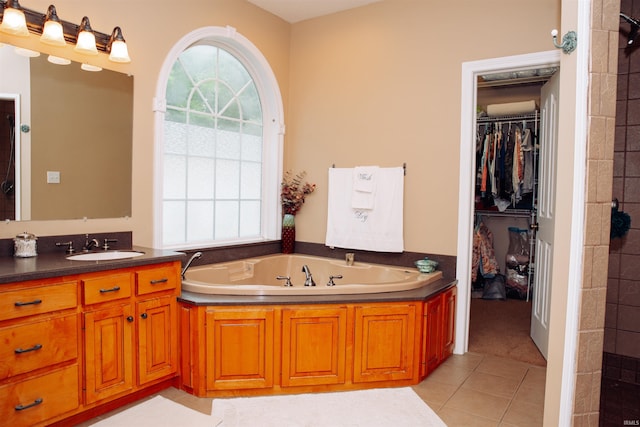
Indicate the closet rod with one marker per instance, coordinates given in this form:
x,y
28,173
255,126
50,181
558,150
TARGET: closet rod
x,y
521,213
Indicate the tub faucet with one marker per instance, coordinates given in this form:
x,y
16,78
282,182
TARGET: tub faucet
x,y
308,281
188,264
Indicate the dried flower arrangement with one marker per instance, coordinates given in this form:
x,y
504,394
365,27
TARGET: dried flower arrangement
x,y
293,191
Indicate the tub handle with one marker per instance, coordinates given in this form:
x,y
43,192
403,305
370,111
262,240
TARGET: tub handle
x,y
287,280
331,282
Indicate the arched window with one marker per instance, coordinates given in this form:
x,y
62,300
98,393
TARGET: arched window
x,y
220,121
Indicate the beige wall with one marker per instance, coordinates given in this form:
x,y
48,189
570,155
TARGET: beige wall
x,y
380,85
151,30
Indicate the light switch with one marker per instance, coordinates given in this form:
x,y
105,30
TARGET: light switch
x,y
53,177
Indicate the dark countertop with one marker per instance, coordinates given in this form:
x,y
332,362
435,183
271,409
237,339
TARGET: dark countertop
x,y
48,265
419,294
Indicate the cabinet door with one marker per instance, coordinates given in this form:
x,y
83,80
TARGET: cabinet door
x,y
239,348
432,349
108,352
385,341
449,322
157,338
313,346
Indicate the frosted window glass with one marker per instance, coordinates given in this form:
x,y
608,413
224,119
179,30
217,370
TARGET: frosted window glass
x,y
175,137
201,178
251,180
213,148
227,219
250,218
200,221
175,177
227,179
173,229
202,141
228,145
251,148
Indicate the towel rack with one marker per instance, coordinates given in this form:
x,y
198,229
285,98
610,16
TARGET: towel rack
x,y
404,168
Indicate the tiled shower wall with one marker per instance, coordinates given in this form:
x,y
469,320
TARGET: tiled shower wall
x,y
620,392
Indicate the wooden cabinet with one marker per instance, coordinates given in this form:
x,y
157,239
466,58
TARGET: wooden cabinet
x,y
314,342
39,355
449,321
272,349
157,338
239,348
385,342
71,344
432,336
129,331
438,330
108,352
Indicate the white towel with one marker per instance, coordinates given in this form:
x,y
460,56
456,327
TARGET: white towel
x,y
380,229
364,187
364,178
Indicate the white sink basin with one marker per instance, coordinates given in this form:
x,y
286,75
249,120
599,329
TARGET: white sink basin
x,y
104,256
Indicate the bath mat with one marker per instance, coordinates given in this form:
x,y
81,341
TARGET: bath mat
x,y
158,412
390,407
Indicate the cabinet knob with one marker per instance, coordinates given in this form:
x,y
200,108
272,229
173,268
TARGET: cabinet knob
x,y
129,319
143,315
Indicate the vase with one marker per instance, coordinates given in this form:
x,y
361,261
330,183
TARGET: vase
x,y
288,234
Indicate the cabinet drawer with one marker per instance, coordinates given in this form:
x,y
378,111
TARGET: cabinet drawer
x,y
157,279
37,399
39,344
38,300
107,288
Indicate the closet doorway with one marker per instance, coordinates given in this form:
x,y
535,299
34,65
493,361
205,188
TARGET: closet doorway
x,y
503,83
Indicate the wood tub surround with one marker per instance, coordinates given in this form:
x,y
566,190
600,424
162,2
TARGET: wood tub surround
x,y
77,345
263,349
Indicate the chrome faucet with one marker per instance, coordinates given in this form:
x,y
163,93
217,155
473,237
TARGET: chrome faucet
x,y
188,264
88,244
308,281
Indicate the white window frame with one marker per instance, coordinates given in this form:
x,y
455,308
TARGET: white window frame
x,y
273,129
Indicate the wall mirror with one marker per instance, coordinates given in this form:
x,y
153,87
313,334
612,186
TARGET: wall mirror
x,y
65,140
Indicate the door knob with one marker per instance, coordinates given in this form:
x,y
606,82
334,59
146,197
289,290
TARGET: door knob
x,y
129,319
143,315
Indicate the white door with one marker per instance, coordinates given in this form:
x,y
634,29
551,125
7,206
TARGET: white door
x,y
546,202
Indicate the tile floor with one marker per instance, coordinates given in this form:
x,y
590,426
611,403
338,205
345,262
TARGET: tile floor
x,y
469,390
482,390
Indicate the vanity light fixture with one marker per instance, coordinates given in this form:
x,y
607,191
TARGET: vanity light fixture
x,y
86,39
52,32
21,21
117,47
13,19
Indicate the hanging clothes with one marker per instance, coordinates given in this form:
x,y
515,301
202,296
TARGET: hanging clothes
x,y
483,259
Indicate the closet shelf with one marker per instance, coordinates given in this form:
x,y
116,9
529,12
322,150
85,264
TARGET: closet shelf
x,y
514,117
519,213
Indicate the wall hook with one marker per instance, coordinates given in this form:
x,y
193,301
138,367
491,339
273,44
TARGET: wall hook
x,y
569,41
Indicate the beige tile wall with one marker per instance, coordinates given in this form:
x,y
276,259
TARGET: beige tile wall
x,y
603,70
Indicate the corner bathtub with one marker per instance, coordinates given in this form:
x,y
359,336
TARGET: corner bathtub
x,y
257,276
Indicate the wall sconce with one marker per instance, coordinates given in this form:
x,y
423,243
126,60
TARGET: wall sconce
x,y
52,32
13,19
117,47
86,42
20,21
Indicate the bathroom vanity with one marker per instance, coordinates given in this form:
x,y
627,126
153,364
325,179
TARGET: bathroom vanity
x,y
83,337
